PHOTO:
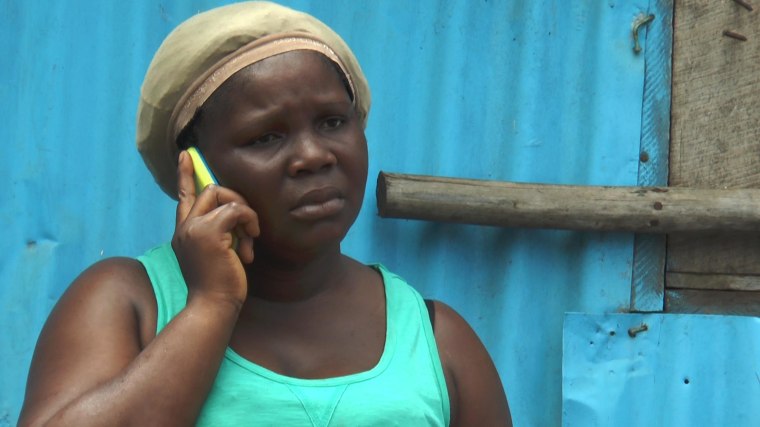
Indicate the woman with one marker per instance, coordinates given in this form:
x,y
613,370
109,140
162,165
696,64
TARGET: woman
x,y
252,315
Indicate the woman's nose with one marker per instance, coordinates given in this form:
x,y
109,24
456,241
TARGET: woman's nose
x,y
311,153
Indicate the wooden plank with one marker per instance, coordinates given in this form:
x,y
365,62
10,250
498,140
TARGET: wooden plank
x,y
506,204
727,253
716,96
715,140
648,280
720,282
713,302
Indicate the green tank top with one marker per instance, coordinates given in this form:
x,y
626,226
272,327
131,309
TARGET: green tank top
x,y
405,388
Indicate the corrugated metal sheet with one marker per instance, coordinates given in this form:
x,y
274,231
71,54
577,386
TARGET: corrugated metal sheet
x,y
546,91
523,91
684,370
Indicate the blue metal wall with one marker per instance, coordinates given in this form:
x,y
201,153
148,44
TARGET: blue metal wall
x,y
546,91
683,370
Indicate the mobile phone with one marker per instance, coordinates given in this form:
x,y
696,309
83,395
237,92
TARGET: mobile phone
x,y
203,175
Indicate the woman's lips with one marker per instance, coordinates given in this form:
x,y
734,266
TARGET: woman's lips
x,y
320,203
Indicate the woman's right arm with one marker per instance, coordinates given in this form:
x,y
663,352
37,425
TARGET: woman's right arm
x,y
89,366
95,362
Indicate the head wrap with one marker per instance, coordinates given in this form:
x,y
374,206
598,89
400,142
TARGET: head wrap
x,y
207,49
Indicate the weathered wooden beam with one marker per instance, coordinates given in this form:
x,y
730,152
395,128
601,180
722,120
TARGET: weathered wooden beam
x,y
715,111
718,282
506,204
745,303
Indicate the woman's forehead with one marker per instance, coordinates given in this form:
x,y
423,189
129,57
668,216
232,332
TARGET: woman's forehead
x,y
295,65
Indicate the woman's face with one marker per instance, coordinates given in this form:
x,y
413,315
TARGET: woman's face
x,y
284,134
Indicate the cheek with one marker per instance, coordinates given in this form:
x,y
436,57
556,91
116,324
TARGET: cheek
x,y
254,181
359,158
364,161
357,173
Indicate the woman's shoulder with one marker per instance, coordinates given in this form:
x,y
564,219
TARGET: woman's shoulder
x,y
475,390
116,267
117,286
101,322
119,275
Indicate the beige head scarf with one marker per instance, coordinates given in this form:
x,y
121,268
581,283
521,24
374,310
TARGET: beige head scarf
x,y
207,49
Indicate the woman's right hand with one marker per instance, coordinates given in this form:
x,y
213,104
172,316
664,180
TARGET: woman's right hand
x,y
203,238
116,369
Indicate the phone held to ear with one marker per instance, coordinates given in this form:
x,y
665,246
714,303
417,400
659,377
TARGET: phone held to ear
x,y
204,177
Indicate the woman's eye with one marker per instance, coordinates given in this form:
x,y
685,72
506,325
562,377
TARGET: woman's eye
x,y
332,123
265,139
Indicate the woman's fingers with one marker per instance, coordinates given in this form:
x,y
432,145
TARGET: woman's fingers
x,y
216,214
247,230
244,247
228,220
192,204
213,197
185,186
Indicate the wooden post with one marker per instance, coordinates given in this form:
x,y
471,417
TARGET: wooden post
x,y
506,204
715,143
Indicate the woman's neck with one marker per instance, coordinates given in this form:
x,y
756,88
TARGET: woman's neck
x,y
277,279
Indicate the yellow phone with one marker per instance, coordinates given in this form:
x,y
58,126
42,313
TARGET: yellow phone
x,y
204,177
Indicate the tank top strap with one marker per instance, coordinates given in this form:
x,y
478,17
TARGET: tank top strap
x,y
409,317
168,284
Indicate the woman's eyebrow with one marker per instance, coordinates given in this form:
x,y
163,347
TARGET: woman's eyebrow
x,y
338,104
264,113
250,123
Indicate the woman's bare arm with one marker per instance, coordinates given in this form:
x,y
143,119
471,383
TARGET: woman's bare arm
x,y
475,390
95,362
89,366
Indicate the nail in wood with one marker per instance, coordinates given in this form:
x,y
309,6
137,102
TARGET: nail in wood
x,y
745,4
735,35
